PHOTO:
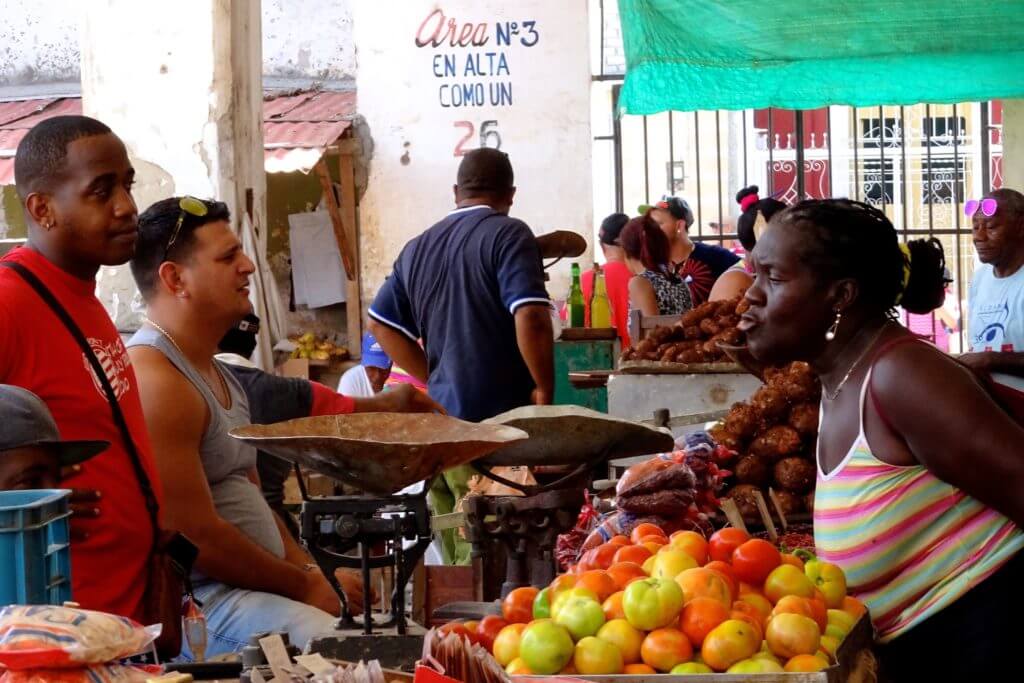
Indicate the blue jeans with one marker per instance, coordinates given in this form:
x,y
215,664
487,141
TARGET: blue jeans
x,y
234,614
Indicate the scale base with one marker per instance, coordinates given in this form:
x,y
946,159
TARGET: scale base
x,y
385,645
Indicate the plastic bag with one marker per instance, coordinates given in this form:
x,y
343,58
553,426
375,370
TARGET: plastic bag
x,y
48,636
101,673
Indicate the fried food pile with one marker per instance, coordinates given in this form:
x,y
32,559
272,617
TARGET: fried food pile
x,y
695,338
771,442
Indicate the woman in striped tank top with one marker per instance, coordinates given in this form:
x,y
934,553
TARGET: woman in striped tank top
x,y
920,495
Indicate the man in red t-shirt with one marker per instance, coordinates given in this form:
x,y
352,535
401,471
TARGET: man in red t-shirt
x,y
616,275
74,179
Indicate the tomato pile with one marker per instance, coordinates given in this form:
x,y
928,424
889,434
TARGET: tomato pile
x,y
681,604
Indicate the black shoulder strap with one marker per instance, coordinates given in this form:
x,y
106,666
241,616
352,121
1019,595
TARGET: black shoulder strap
x,y
152,506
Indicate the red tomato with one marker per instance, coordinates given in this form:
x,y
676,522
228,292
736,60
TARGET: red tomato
x,y
517,608
724,541
488,629
456,627
753,561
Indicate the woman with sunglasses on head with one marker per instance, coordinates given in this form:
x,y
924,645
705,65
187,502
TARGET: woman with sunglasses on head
x,y
996,327
654,288
920,472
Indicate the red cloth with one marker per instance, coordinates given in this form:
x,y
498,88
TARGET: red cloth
x,y
327,401
616,278
37,353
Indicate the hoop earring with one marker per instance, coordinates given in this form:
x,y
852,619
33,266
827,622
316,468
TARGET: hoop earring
x,y
831,333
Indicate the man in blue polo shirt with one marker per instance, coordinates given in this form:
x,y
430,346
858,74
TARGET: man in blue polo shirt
x,y
472,288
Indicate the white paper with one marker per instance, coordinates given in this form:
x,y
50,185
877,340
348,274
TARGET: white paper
x,y
317,271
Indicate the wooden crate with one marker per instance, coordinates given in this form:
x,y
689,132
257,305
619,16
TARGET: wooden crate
x,y
437,585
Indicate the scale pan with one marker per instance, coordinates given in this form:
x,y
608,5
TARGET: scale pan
x,y
573,435
379,453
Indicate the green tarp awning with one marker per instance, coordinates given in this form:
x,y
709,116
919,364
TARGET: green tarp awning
x,y
802,54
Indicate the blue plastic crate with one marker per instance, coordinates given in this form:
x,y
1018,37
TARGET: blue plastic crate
x,y
35,556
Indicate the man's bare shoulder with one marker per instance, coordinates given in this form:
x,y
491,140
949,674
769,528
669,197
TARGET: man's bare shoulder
x,y
163,387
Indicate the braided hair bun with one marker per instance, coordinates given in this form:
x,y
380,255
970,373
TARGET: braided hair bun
x,y
753,208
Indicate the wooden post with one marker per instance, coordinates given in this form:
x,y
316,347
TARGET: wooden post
x,y
353,298
327,186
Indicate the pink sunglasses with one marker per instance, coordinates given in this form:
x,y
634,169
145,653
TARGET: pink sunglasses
x,y
988,206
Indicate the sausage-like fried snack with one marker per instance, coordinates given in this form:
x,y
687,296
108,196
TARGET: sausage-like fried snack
x,y
727,320
743,421
795,475
723,437
708,327
730,336
803,417
753,470
790,503
777,443
695,315
746,501
771,403
692,333
659,335
646,345
742,307
690,356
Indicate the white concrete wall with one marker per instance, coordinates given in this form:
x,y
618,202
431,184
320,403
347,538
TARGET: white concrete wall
x,y
311,39
38,41
1013,144
407,96
192,122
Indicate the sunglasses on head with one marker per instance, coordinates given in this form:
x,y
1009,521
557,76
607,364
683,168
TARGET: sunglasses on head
x,y
988,206
188,205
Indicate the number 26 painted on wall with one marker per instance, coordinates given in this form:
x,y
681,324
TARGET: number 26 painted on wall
x,y
489,136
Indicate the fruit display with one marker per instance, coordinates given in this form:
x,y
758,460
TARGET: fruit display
x,y
310,346
696,337
680,603
674,491
769,442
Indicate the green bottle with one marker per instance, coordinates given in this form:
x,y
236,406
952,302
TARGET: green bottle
x,y
577,308
600,307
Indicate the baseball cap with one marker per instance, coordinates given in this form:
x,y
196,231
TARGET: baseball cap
x,y
373,354
611,227
27,422
676,206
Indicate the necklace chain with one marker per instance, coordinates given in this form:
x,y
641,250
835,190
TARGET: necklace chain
x,y
832,395
167,334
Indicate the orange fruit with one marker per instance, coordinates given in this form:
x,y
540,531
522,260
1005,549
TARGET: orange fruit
x,y
691,542
632,553
724,541
517,607
854,607
602,556
647,529
624,636
665,648
759,602
612,607
562,583
625,573
794,604
745,607
704,583
806,663
788,558
599,581
596,657
653,546
619,540
819,612
747,614
789,635
638,670
700,616
754,560
787,580
731,641
726,572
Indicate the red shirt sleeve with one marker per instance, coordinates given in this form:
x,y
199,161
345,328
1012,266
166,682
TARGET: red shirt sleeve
x,y
326,401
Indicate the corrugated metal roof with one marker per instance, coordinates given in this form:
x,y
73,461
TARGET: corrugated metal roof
x,y
297,128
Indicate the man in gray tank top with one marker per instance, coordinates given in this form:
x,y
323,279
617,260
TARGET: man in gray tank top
x,y
251,575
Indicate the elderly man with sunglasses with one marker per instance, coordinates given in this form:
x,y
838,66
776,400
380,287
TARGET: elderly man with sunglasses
x,y
996,304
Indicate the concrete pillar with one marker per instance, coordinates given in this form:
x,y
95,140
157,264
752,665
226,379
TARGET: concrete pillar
x,y
181,84
437,80
1013,144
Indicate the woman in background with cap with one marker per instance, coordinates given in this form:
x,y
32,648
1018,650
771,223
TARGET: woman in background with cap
x,y
654,288
697,263
616,275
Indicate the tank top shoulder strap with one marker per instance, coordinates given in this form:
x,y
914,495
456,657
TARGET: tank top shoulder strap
x,y
879,353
